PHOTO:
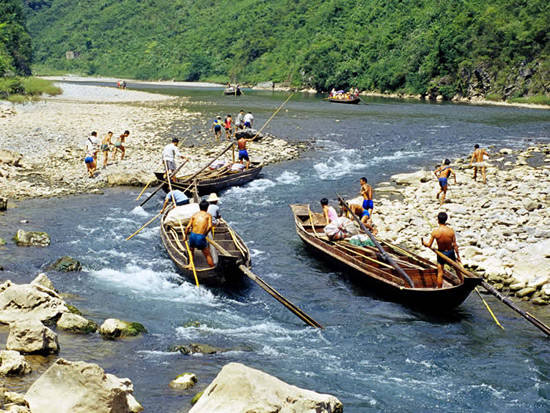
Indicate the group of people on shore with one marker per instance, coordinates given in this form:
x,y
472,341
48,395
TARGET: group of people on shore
x,y
94,145
243,121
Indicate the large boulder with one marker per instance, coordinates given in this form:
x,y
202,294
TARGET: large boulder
x,y
128,179
532,261
65,264
239,388
414,178
76,324
12,363
113,328
43,280
31,239
31,336
20,302
80,387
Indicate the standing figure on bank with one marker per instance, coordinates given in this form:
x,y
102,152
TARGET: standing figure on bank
x,y
248,120
442,173
105,142
228,125
89,158
366,193
169,155
239,124
478,161
119,145
217,128
243,153
199,225
446,244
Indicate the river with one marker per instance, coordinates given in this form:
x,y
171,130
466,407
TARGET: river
x,y
373,354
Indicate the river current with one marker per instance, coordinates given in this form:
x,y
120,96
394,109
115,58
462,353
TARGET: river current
x,y
374,354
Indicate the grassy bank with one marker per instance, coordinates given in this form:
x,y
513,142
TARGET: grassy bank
x,y
21,89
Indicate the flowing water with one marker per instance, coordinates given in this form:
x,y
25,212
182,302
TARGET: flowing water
x,y
373,354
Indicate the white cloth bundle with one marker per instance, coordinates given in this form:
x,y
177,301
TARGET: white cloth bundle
x,y
181,214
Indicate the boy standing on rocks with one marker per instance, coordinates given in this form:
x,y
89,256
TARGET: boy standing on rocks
x,y
119,144
479,157
105,147
443,173
446,244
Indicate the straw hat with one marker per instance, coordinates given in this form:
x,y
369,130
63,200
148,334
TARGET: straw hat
x,y
213,197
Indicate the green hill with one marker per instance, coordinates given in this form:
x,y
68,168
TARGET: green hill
x,y
495,48
15,42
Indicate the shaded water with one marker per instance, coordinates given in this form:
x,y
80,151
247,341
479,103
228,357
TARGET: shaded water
x,y
373,355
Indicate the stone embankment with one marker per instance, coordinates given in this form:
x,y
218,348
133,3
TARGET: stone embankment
x,y
43,143
502,227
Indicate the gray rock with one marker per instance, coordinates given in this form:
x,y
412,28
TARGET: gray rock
x,y
517,286
538,281
43,280
10,158
239,388
12,363
31,239
113,328
31,336
184,381
539,301
65,264
524,292
411,178
76,324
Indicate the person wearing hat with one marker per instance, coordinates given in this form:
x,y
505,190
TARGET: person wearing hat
x,y
214,209
217,128
169,155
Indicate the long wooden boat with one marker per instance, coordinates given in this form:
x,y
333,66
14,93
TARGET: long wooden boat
x,y
351,101
217,180
365,265
231,91
225,273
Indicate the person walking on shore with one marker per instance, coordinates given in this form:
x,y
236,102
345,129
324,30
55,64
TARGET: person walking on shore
x,y
248,120
105,147
217,128
239,123
478,161
446,244
228,125
169,155
119,145
442,173
91,150
95,142
366,193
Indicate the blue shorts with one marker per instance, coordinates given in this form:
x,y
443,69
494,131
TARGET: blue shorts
x,y
243,154
247,125
442,182
88,159
365,213
450,254
197,241
217,128
368,204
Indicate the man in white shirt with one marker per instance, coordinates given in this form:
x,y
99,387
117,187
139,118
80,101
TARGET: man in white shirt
x,y
248,120
169,155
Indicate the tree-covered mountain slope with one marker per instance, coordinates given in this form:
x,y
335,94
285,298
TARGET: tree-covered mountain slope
x,y
430,47
15,42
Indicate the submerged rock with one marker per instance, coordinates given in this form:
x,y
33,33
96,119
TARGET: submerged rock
x,y
31,336
31,239
184,381
65,264
113,328
76,324
80,387
239,388
12,363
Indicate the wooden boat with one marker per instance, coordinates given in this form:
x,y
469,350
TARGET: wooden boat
x,y
351,101
217,180
231,91
226,271
365,264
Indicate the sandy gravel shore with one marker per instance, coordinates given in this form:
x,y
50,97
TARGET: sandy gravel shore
x,y
50,136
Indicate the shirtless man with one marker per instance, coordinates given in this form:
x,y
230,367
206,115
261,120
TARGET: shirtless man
x,y
361,212
366,192
443,173
243,153
446,243
119,144
479,157
199,225
105,147
228,126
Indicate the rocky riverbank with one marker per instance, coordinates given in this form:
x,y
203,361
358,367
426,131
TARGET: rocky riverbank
x,y
503,227
42,144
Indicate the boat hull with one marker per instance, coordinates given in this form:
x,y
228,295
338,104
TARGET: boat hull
x,y
353,101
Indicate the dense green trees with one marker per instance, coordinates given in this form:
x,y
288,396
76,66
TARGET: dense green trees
x,y
430,47
15,42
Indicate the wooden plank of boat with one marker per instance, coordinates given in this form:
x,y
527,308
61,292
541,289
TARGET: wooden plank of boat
x,y
352,101
366,265
226,271
212,181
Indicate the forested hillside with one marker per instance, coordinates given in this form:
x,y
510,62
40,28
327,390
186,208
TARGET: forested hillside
x,y
495,48
15,42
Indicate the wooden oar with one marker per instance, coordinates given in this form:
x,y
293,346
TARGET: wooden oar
x,y
272,116
151,220
270,290
385,255
536,322
207,165
169,177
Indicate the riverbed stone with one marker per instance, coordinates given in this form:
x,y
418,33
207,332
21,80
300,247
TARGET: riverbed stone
x,y
113,328
12,363
24,301
65,264
412,178
31,239
539,281
239,388
76,324
539,301
80,387
31,336
525,292
10,158
532,261
517,286
43,280
184,381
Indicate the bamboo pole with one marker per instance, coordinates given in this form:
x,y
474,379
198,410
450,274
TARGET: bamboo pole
x,y
169,177
148,222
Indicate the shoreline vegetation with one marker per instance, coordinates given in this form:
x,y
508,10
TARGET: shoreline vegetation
x,y
22,89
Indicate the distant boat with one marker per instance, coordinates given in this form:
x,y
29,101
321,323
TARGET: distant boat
x,y
231,91
351,101
367,267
